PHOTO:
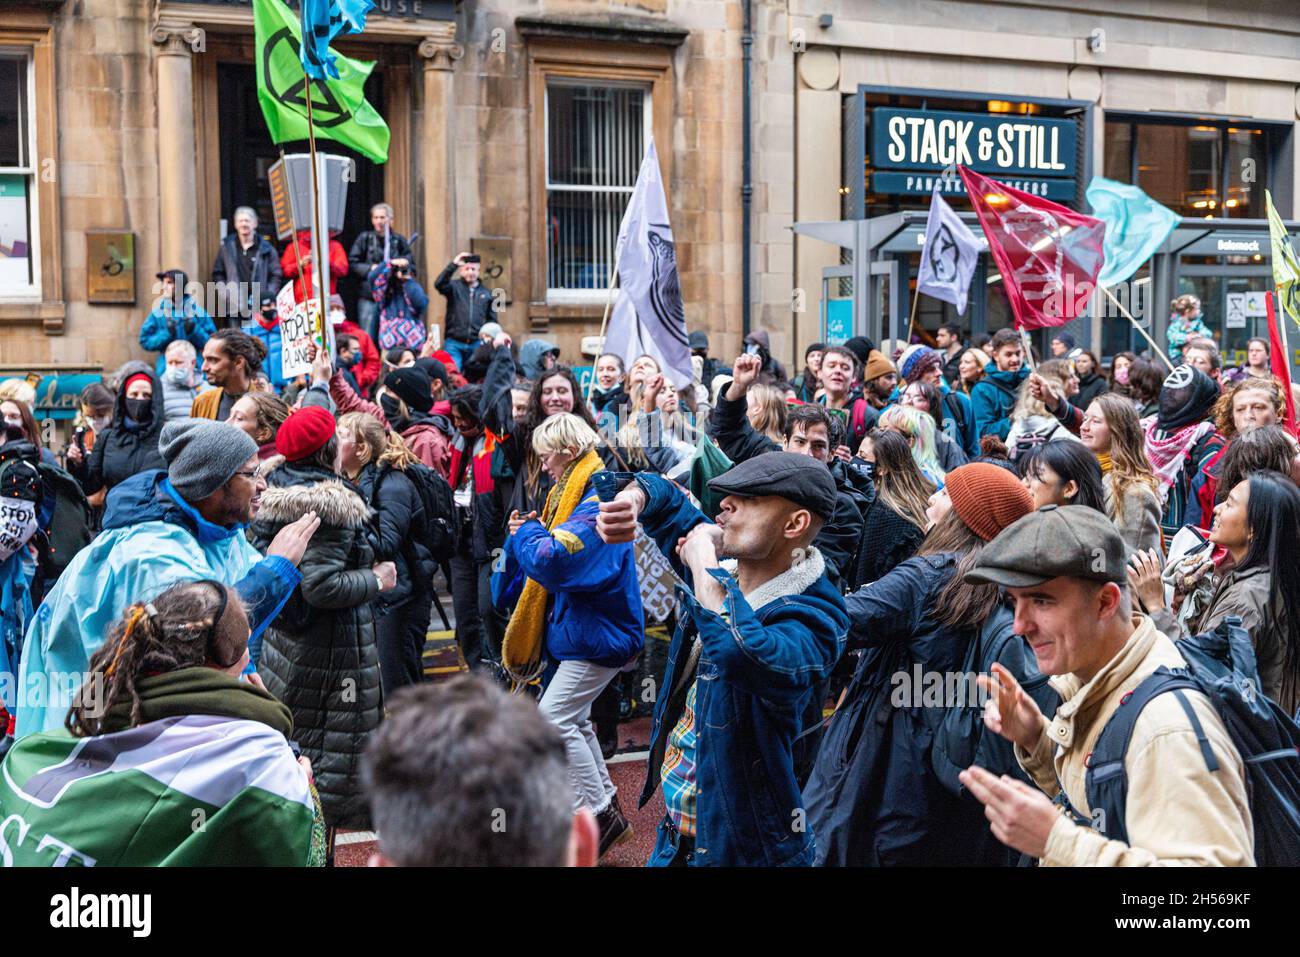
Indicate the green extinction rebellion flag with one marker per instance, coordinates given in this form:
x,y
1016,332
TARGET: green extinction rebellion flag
x,y
339,108
192,790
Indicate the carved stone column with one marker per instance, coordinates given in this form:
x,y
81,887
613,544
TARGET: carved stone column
x,y
440,56
177,159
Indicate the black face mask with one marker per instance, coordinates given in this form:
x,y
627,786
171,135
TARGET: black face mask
x,y
140,409
392,411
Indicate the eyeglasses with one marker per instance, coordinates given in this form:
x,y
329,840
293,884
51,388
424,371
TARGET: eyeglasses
x,y
250,474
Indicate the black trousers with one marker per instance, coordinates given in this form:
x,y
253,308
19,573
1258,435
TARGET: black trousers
x,y
401,634
466,579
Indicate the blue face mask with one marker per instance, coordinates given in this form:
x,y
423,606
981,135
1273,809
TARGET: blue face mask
x,y
349,362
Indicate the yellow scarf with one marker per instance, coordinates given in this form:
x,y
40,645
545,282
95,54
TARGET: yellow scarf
x,y
521,651
1103,459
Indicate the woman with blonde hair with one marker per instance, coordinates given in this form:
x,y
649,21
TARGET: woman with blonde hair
x,y
767,411
579,604
657,435
970,369
1111,431
918,428
382,466
1031,422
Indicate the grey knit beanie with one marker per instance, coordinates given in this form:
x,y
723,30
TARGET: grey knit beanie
x,y
202,455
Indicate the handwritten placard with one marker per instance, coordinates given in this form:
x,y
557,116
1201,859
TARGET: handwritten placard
x,y
657,579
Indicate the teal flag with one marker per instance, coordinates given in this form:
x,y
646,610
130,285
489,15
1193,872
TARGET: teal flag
x,y
1136,226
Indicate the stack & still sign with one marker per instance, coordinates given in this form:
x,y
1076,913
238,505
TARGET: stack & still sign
x,y
909,150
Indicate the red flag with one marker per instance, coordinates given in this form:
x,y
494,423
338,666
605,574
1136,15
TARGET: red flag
x,y
1281,363
1049,256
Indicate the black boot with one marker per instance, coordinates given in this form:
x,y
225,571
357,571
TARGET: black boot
x,y
614,827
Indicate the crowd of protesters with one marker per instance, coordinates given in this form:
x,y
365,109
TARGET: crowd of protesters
x,y
228,542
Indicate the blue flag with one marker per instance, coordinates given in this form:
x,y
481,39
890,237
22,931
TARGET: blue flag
x,y
1136,226
322,22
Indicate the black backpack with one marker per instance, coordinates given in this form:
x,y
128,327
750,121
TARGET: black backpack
x,y
63,515
439,508
1221,666
961,738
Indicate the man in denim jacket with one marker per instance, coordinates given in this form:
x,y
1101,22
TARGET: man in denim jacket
x,y
762,629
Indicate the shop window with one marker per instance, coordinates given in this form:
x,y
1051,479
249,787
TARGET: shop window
x,y
1200,170
18,278
596,136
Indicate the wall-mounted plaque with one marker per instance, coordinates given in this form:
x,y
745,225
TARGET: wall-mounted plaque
x,y
110,266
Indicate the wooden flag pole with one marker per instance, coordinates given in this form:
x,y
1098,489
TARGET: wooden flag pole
x,y
609,302
1029,349
911,321
319,279
1138,326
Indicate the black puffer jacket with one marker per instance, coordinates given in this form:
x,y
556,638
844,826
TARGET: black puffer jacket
x,y
399,531
125,449
319,655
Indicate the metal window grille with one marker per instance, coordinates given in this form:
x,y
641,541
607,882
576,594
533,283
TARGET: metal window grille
x,y
595,140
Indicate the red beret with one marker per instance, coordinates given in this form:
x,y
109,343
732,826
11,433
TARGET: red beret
x,y
304,433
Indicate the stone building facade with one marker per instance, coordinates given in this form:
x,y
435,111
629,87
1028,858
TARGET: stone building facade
x,y
143,121
138,117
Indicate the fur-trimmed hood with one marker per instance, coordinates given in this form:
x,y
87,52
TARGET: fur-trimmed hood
x,y
335,503
796,580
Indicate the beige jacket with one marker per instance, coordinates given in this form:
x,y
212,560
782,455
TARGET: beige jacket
x,y
1178,812
1249,594
1137,517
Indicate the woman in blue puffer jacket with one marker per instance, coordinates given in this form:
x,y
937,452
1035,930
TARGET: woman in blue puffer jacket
x,y
579,604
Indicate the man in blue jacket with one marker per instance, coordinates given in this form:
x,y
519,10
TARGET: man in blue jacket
x,y
184,524
753,641
994,397
176,315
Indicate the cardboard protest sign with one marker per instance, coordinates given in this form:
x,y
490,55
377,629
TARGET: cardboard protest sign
x,y
657,579
297,333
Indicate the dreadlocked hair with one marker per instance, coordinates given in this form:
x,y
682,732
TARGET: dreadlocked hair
x,y
176,630
240,345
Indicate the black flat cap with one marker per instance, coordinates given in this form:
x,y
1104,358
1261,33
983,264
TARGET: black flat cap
x,y
1057,541
799,478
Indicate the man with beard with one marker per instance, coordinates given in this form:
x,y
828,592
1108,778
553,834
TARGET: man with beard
x,y
755,638
161,527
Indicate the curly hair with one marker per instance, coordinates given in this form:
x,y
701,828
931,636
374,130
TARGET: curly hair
x,y
1223,417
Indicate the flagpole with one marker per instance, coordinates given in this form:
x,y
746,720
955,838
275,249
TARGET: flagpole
x,y
319,280
1138,326
609,301
1028,347
911,322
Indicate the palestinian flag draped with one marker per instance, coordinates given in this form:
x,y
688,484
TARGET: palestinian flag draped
x,y
187,791
340,110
